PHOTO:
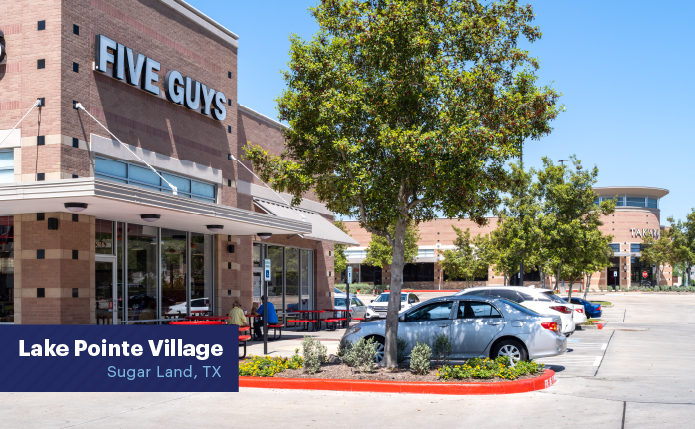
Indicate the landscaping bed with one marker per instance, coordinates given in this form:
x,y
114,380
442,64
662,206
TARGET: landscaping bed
x,y
402,373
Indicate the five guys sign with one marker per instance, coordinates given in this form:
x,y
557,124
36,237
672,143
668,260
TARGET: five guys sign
x,y
139,70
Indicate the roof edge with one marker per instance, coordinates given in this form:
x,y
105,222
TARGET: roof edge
x,y
261,116
192,13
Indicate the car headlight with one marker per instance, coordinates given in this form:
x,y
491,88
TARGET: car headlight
x,y
351,331
369,307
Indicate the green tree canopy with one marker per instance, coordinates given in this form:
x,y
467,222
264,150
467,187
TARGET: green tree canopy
x,y
657,252
402,110
340,260
682,235
380,250
469,259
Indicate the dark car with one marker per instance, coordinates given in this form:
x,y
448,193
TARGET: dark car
x,y
592,310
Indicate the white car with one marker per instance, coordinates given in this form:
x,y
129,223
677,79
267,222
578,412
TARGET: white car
x,y
357,308
198,304
579,313
378,307
542,301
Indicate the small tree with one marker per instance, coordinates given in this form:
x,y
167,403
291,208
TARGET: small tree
x,y
569,220
380,250
406,110
340,260
657,252
682,235
464,262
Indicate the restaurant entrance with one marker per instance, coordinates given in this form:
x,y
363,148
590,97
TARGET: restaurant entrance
x,y
106,300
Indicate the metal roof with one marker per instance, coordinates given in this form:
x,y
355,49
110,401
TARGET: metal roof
x,y
321,228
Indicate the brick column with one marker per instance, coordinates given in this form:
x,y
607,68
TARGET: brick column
x,y
55,261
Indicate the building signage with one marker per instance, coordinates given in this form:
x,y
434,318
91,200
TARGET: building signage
x,y
644,274
139,70
644,232
267,270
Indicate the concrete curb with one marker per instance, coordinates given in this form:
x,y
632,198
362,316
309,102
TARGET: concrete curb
x,y
501,388
598,325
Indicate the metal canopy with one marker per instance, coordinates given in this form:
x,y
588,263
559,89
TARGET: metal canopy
x,y
322,228
117,201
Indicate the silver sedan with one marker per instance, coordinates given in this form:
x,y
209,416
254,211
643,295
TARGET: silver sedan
x,y
477,326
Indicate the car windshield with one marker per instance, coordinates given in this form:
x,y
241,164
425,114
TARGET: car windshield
x,y
384,297
554,298
519,307
339,302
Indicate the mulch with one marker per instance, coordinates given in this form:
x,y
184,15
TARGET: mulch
x,y
343,372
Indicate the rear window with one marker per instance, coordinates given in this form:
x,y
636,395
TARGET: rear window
x,y
554,298
508,294
520,307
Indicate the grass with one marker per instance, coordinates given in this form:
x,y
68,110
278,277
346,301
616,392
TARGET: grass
x,y
602,302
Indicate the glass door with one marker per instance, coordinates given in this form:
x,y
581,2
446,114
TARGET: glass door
x,y
106,310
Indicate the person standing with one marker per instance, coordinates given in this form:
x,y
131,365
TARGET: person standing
x,y
272,318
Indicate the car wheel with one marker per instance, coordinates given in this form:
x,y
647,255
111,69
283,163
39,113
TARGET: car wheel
x,y
379,344
512,348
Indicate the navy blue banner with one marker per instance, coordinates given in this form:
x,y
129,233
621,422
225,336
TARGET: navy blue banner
x,y
113,358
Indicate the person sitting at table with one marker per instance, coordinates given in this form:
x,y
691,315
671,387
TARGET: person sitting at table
x,y
254,308
237,315
272,318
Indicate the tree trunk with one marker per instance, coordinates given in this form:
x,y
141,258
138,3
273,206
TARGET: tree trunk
x,y
687,273
505,279
588,283
569,296
557,279
395,296
542,278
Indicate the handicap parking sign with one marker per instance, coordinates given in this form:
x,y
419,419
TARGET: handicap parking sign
x,y
267,270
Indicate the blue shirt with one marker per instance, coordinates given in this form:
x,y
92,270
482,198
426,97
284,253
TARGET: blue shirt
x,y
272,315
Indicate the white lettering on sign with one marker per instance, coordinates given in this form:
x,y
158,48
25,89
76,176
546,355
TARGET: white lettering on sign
x,y
644,232
140,71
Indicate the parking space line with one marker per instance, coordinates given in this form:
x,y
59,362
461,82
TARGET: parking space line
x,y
604,346
598,360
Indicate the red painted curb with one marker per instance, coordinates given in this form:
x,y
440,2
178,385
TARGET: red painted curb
x,y
431,290
501,388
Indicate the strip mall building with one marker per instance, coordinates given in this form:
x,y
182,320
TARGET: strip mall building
x,y
89,233
637,215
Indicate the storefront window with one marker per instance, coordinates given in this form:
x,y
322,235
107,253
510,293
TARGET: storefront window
x,y
257,272
201,266
174,274
7,166
6,269
307,262
292,278
103,237
637,271
275,254
142,272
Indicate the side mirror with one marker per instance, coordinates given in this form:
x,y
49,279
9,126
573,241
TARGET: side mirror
x,y
401,318
371,301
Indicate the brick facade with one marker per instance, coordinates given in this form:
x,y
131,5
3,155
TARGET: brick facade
x,y
619,225
138,118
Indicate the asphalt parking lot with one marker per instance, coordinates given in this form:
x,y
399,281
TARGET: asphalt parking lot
x,y
635,373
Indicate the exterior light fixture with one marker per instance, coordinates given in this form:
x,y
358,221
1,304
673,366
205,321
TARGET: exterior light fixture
x,y
150,217
76,207
215,228
264,235
625,267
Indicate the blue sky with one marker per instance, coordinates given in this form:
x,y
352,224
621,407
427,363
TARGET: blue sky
x,y
625,69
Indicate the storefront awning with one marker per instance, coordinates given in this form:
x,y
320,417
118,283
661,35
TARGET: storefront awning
x,y
111,200
322,228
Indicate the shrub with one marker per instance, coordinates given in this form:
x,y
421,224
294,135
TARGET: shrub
x,y
624,289
353,287
361,355
441,348
657,288
401,345
489,368
314,354
344,348
420,359
266,366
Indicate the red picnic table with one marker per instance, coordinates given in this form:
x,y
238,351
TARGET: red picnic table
x,y
307,316
274,326
336,320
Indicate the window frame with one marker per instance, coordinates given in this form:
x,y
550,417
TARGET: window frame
x,y
421,307
161,188
8,168
464,302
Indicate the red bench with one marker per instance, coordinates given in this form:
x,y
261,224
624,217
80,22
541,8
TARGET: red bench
x,y
243,339
275,327
334,321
